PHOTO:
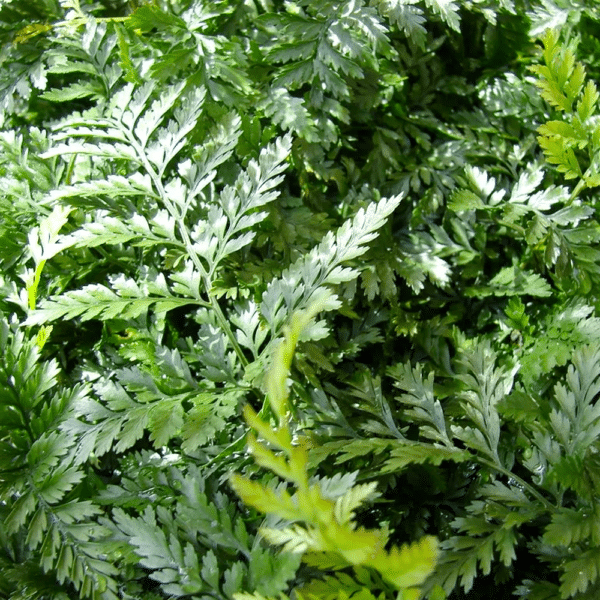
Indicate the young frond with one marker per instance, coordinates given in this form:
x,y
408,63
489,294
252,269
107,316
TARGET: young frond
x,y
325,525
562,83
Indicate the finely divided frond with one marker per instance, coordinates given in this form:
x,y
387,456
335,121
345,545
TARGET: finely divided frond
x,y
426,408
322,266
126,300
59,532
485,384
229,222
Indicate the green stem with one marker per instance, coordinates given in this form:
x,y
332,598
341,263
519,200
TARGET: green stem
x,y
512,226
228,332
70,170
581,185
522,482
112,19
179,217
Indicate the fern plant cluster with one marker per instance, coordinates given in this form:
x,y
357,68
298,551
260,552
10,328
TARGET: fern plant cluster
x,y
299,300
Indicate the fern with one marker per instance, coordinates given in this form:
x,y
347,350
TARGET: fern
x,y
410,18
323,45
551,223
210,523
59,531
323,265
561,80
181,178
573,325
152,147
225,230
556,464
328,537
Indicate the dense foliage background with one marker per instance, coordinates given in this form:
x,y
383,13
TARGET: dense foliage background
x,y
372,224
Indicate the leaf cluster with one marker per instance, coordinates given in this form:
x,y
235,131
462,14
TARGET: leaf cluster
x,y
299,300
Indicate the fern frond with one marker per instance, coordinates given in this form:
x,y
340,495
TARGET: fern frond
x,y
562,82
559,334
512,281
88,55
60,532
426,409
185,566
485,386
348,449
410,18
486,534
570,526
402,455
322,266
127,301
551,221
289,113
327,526
581,573
221,234
114,187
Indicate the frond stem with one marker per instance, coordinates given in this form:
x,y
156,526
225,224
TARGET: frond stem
x,y
179,217
225,326
581,185
521,482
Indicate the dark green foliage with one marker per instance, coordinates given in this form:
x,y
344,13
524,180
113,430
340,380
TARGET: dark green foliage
x,y
184,183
